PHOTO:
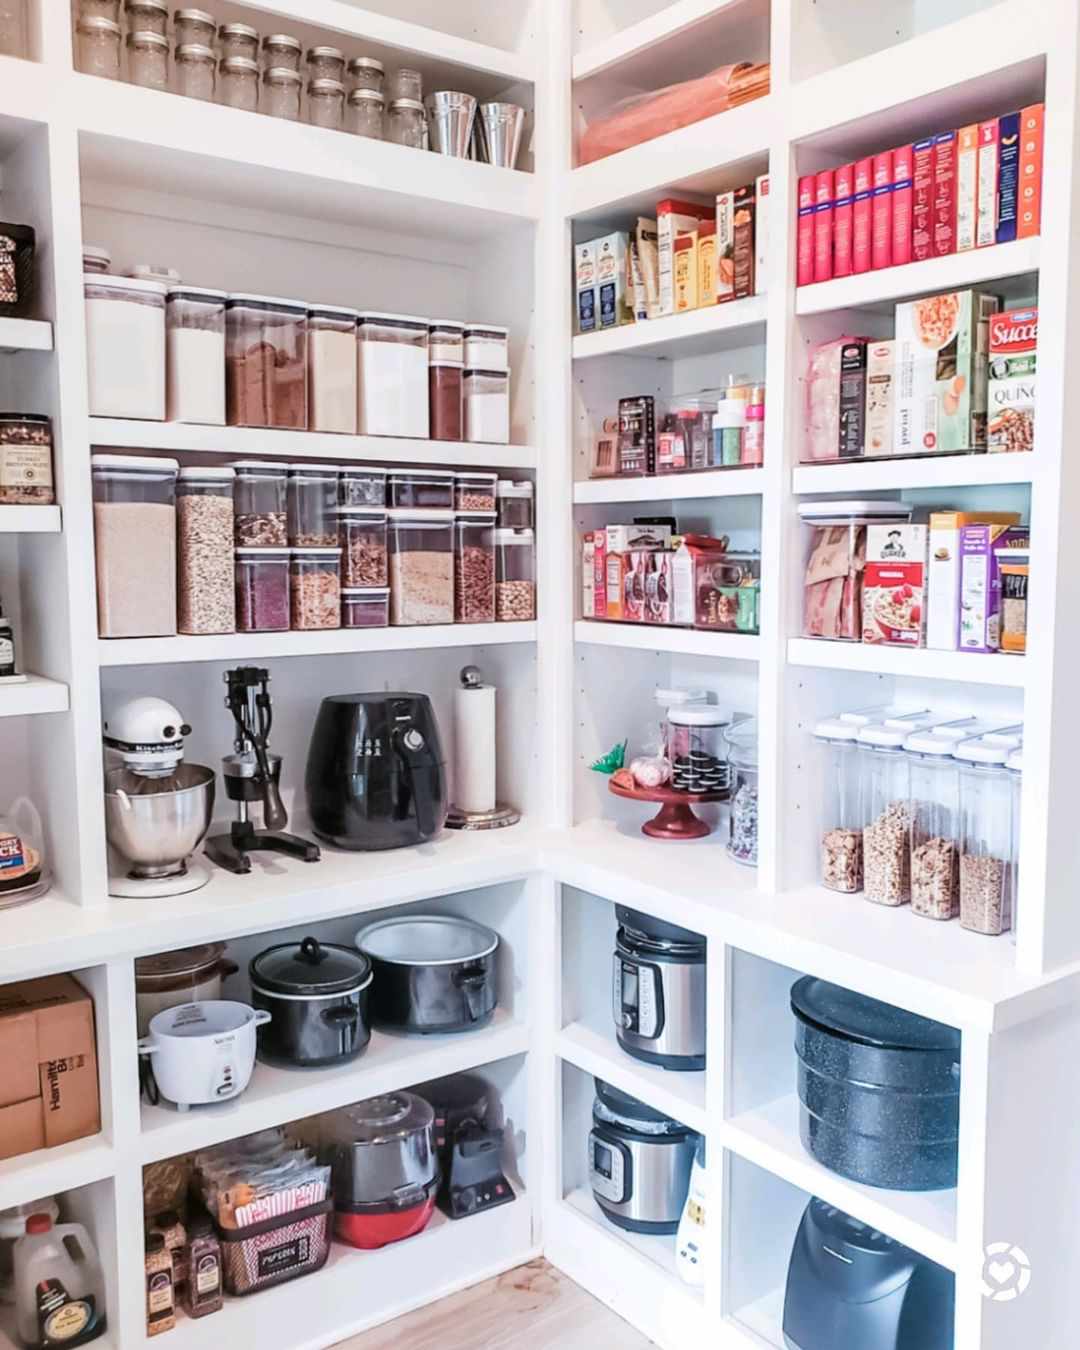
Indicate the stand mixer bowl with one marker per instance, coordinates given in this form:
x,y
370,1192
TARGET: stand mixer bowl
x,y
156,823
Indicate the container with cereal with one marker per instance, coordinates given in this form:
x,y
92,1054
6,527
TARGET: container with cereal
x,y
841,805
985,836
886,811
894,585
935,824
315,588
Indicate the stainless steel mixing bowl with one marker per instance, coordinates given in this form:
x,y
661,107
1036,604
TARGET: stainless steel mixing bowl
x,y
156,823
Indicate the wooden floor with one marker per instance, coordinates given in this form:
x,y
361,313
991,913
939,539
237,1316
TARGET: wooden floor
x,y
531,1308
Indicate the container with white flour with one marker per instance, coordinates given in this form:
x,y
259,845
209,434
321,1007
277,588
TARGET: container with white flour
x,y
393,367
125,347
332,370
195,347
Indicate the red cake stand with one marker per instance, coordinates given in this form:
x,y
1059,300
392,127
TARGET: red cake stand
x,y
675,819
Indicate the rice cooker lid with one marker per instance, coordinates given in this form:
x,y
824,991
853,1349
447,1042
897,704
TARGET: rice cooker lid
x,y
386,1119
656,930
190,962
310,969
866,1021
620,1109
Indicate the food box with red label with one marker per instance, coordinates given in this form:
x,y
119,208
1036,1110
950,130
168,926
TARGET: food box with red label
x,y
1014,339
894,585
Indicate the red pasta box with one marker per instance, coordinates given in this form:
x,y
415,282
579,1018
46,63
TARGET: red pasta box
x,y
902,201
945,193
805,257
842,220
922,200
862,217
824,198
894,585
1031,171
881,215
986,220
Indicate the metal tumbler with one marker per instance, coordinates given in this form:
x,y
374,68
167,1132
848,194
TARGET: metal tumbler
x,y
501,128
450,122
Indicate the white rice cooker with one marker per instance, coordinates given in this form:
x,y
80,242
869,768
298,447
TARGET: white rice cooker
x,y
203,1052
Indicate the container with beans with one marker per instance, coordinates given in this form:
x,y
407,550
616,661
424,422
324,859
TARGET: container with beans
x,y
313,499
514,504
262,590
515,576
261,504
366,608
362,485
362,535
26,473
474,567
281,51
315,588
421,566
475,491
204,538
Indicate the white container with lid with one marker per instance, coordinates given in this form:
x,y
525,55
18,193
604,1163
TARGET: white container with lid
x,y
195,347
446,342
514,503
332,369
125,347
697,748
135,544
421,566
986,893
393,365
486,394
96,260
487,346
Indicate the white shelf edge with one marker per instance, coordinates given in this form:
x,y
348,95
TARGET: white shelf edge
x,y
655,337
48,1171
658,638
25,335
881,475
30,520
32,697
671,487
671,21
995,669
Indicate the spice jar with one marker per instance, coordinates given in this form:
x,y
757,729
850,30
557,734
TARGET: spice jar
x,y
985,837
147,16
1015,765
407,84
99,48
446,400
742,751
195,356
332,370
421,566
260,497
841,806
362,485
362,535
326,63
697,748
203,1294
313,496
125,347
515,576
475,491
408,123
168,1224
514,502
135,545
148,60
88,9
393,362
326,104
886,810
315,588
487,406
366,73
364,113
281,51
238,39
474,567
487,347
281,93
195,66
160,1294
262,590
367,608
266,362
194,26
426,488
238,83
26,474
204,528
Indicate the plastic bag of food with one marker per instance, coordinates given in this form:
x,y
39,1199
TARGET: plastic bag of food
x,y
646,116
822,438
651,771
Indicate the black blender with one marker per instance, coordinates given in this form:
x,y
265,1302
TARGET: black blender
x,y
252,774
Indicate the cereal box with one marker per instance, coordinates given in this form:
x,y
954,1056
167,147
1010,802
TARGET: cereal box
x,y
686,271
1014,337
1008,177
967,187
880,383
862,214
843,220
922,200
852,441
745,234
894,585
903,200
945,193
881,216
980,584
706,264
942,348
1029,222
943,601
672,219
761,233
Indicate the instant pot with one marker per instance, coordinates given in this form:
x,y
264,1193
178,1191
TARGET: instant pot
x,y
659,991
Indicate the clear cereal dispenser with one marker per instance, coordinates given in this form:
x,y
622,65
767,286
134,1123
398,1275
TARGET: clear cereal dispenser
x,y
742,749
841,806
1015,766
885,795
935,824
985,835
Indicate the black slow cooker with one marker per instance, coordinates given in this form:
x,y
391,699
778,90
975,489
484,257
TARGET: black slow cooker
x,y
317,994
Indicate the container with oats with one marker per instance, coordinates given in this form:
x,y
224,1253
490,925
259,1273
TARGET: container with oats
x,y
421,566
986,892
886,812
841,803
204,538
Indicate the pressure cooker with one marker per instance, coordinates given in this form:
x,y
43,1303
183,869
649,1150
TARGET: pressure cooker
x,y
658,994
639,1163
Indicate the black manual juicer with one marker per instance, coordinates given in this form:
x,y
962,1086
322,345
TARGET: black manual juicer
x,y
253,774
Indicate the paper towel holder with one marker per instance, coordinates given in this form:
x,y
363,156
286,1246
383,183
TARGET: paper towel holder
x,y
502,815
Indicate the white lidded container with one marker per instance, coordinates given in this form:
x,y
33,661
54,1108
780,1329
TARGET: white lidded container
x,y
1015,766
697,747
986,892
125,347
393,366
487,346
135,540
332,369
841,805
487,406
195,352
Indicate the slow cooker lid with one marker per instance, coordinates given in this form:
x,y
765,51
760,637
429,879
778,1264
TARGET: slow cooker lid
x,y
620,1108
867,1021
656,930
191,962
427,940
310,968
386,1119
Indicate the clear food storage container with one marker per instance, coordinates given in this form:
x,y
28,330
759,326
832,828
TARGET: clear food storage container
x,y
238,40
408,123
514,504
281,93
99,48
96,260
474,566
487,406
332,370
315,588
266,362
281,51
196,65
135,544
742,751
261,498
313,499
421,567
362,535
427,488
366,73
446,342
885,774
1015,766
393,376
26,460
238,83
935,824
836,552
407,83
446,391
204,536
367,608
665,700
148,60
326,63
841,806
195,356
262,590
147,16
985,837
362,485
326,104
487,346
365,113
698,749
693,420
194,26
475,491
515,575
125,347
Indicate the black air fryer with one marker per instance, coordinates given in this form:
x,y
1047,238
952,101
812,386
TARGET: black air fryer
x,y
850,1287
376,773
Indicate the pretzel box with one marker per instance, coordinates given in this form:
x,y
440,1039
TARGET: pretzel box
x,y
894,585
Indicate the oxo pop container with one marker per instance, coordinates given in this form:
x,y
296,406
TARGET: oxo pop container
x,y
195,348
332,370
135,542
313,496
421,489
266,372
260,498
515,575
368,607
421,567
841,806
362,485
393,357
836,554
742,749
986,892
125,347
262,590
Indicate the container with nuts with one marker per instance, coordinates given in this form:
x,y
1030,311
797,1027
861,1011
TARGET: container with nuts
x,y
515,576
362,536
475,491
315,588
474,567
204,546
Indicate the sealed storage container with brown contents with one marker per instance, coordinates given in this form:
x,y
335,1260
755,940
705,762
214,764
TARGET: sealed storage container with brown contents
x,y
135,543
446,396
26,477
514,503
515,576
362,535
204,528
315,588
474,559
365,608
475,491
262,590
421,566
266,362
313,495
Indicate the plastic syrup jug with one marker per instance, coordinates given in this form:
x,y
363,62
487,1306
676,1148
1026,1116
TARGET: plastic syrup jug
x,y
59,1286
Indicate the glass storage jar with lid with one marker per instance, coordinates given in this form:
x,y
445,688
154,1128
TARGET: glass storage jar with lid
x,y
147,16
326,63
194,26
135,545
665,700
742,743
841,806
326,104
195,355
424,488
408,123
266,362
332,370
366,73
125,347
281,51
204,535
1015,766
261,504
514,502
362,485
313,494
88,9
262,590
697,748
475,491
407,84
315,588
421,567
446,400
99,48
515,576
487,406
985,836
487,346
238,39
393,375
281,93
474,567
195,67
148,60
362,535
368,607
364,112
238,83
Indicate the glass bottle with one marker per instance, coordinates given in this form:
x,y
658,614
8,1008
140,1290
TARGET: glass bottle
x,y
326,103
147,16
238,83
195,67
365,113
99,48
148,60
203,1292
408,123
281,93
238,39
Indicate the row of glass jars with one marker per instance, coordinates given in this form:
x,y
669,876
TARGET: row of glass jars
x,y
923,811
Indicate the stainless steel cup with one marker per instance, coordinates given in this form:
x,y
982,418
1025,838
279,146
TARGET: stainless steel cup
x,y
502,126
450,122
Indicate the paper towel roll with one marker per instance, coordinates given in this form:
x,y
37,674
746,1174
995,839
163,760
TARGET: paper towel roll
x,y
474,748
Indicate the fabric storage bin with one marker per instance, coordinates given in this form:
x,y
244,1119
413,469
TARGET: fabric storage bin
x,y
195,355
266,362
275,1251
125,347
393,357
16,268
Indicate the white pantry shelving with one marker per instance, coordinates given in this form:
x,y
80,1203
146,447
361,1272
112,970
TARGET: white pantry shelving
x,y
683,487
738,324
25,335
31,696
29,520
651,638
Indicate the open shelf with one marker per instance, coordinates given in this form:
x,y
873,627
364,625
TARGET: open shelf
x,y
29,520
655,49
31,696
25,335
671,487
929,471
48,1171
658,638
1004,671
657,1249
737,323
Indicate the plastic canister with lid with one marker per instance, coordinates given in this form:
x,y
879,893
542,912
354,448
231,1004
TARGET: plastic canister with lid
x,y
204,532
266,362
315,588
393,364
985,836
125,347
135,544
515,576
421,566
195,349
697,748
332,370
728,430
487,346
262,590
514,504
313,504
487,406
260,498
841,826
1015,765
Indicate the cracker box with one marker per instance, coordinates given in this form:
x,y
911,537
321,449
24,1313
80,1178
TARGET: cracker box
x,y
672,219
943,602
980,584
894,585
942,353
725,246
967,187
745,256
613,303
880,386
1014,337
852,442
706,264
686,272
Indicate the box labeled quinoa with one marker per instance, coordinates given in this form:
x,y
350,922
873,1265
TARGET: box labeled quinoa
x,y
894,585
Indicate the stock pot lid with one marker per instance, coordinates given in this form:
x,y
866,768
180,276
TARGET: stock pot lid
x,y
310,968
188,961
427,940
854,1017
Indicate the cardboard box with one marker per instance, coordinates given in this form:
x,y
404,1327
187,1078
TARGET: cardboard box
x,y
881,211
862,211
659,587
894,585
706,264
1014,339
614,304
922,201
672,219
725,247
986,209
588,582
761,233
1008,194
843,221
686,272
585,284
745,240
49,1087
943,603
824,205
967,187
637,436
1029,222
627,538
980,584
942,348
805,265
902,202
852,440
945,149
880,385
600,573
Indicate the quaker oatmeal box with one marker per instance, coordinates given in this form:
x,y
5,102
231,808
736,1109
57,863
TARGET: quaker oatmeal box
x,y
894,585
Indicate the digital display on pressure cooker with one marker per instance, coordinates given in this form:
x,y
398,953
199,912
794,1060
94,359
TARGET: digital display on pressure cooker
x,y
629,986
602,1161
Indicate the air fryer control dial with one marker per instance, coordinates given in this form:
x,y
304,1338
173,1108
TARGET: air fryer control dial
x,y
413,740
